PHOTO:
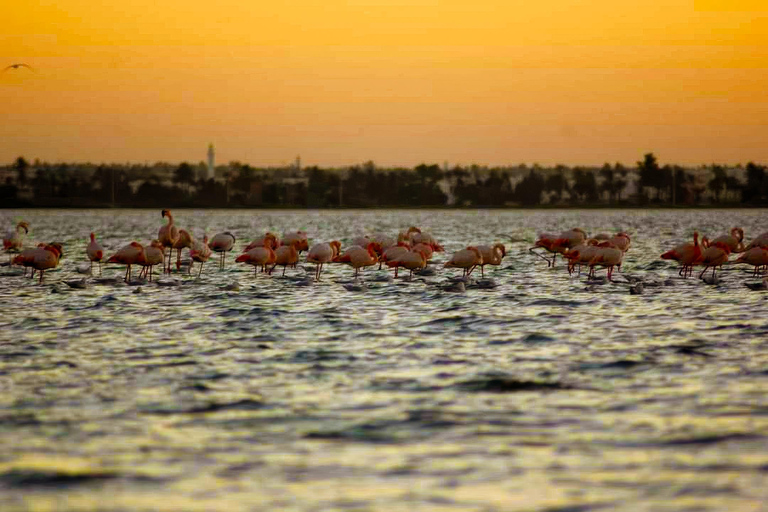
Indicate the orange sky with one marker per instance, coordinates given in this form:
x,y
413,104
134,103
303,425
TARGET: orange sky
x,y
399,82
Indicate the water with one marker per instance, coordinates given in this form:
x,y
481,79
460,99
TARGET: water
x,y
544,393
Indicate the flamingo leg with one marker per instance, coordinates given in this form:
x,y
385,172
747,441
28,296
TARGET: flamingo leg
x,y
701,276
549,263
201,268
99,268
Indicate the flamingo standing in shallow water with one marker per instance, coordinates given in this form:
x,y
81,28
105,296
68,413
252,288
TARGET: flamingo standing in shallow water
x,y
492,255
734,241
259,256
131,254
95,252
607,255
200,252
222,243
757,256
41,258
185,240
465,259
687,254
154,254
713,256
14,239
415,259
323,253
168,235
286,255
358,258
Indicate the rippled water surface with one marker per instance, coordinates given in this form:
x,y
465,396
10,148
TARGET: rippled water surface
x,y
545,393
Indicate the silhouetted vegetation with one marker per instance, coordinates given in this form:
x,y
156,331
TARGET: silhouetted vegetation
x,y
42,184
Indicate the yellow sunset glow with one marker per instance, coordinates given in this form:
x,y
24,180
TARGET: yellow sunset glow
x,y
398,82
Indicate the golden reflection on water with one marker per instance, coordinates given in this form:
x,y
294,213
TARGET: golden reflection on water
x,y
286,397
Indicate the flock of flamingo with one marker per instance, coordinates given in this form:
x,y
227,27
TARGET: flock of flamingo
x,y
411,250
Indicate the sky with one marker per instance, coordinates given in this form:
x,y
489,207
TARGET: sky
x,y
398,82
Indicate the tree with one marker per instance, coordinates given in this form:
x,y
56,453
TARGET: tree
x,y
556,183
185,175
718,182
585,185
754,191
650,173
21,167
608,184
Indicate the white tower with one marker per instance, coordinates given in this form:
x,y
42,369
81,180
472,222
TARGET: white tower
x,y
211,162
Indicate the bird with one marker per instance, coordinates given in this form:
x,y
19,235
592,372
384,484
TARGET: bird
x,y
286,255
394,252
131,254
41,258
322,253
465,259
14,239
223,243
168,234
713,256
757,256
185,240
621,240
95,252
558,244
686,254
154,254
608,256
300,237
259,256
734,241
492,255
414,259
200,252
582,254
358,257
268,240
19,65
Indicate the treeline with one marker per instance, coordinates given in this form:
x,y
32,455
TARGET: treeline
x,y
42,184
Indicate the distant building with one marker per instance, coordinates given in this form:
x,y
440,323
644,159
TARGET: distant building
x,y
211,162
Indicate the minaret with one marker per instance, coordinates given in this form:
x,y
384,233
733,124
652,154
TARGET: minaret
x,y
298,163
211,162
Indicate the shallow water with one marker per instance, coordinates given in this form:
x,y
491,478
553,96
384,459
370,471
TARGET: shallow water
x,y
544,393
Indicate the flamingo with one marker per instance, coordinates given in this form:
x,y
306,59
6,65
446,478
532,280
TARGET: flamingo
x,y
286,255
734,241
621,241
185,240
713,256
41,258
757,256
14,239
95,252
223,243
465,259
131,254
492,255
299,237
168,235
259,256
414,259
760,241
607,255
200,252
687,254
394,252
558,244
405,236
154,254
582,254
25,258
322,253
358,258
268,240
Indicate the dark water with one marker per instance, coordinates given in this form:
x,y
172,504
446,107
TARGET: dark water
x,y
544,393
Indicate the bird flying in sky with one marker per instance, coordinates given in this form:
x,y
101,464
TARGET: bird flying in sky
x,y
18,66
